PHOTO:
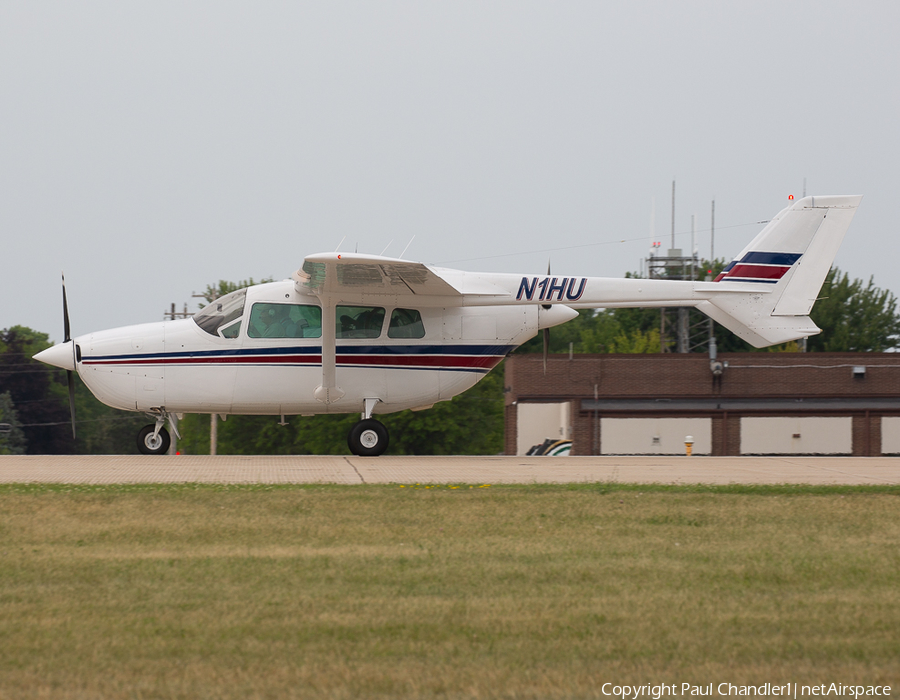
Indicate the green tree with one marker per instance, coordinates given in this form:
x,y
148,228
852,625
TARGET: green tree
x,y
637,342
854,317
12,440
39,392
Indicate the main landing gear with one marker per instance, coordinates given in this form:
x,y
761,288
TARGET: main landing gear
x,y
368,438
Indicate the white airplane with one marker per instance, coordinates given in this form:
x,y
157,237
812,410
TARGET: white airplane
x,y
364,333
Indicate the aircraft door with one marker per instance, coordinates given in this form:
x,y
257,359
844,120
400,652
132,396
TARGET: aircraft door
x,y
280,364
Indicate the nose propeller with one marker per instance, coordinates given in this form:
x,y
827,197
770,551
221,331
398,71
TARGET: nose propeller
x,y
70,374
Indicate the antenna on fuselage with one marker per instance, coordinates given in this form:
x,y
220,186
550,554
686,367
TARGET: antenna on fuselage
x,y
408,245
386,247
341,243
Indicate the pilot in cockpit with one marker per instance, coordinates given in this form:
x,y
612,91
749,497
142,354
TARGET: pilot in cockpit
x,y
274,321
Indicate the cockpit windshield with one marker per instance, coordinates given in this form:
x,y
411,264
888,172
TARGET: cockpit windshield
x,y
221,313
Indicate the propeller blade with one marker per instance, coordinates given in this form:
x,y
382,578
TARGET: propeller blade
x,y
70,377
67,333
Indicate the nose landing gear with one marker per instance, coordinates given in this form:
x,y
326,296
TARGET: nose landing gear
x,y
151,441
154,439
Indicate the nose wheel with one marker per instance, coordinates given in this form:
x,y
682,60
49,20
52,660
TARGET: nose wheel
x,y
368,438
153,442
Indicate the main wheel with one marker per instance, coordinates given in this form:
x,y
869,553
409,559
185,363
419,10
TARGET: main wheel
x,y
150,445
368,438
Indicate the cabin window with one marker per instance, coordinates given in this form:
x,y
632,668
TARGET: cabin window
x,y
406,323
358,321
285,321
220,313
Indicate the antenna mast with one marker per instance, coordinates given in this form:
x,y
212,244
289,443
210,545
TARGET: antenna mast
x,y
673,214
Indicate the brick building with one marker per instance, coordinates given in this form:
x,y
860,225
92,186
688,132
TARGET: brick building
x,y
761,403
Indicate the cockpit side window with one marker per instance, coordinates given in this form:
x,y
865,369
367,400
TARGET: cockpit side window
x,y
285,321
232,331
221,313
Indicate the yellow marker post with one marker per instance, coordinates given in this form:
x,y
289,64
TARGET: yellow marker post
x,y
688,444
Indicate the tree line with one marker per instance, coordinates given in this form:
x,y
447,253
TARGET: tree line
x,y
854,316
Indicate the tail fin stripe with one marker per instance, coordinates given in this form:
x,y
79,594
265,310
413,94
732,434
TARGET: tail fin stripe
x,y
757,266
766,272
751,279
771,258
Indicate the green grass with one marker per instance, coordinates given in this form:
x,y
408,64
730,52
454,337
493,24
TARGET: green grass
x,y
193,591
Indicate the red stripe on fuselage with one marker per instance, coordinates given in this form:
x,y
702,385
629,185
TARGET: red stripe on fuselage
x,y
435,361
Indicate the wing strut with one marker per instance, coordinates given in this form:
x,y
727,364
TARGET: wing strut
x,y
328,392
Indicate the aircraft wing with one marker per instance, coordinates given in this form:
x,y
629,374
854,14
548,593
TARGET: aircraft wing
x,y
352,275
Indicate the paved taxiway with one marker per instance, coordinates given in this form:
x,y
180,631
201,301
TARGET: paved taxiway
x,y
456,470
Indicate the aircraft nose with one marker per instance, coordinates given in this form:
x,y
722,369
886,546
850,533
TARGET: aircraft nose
x,y
61,355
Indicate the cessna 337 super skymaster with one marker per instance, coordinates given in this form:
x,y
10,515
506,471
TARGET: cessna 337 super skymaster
x,y
363,333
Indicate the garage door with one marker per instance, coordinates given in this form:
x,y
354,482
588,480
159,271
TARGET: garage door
x,y
890,435
796,436
654,436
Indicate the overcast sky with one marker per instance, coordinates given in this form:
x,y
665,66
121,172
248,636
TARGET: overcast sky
x,y
149,149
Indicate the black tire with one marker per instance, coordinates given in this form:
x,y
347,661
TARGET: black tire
x,y
368,438
148,446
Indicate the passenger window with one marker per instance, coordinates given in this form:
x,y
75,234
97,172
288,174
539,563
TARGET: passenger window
x,y
358,321
285,321
406,323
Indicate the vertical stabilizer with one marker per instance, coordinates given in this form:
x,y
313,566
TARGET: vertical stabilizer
x,y
787,263
809,273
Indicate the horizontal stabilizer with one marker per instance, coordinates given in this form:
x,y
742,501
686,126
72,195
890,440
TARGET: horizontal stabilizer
x,y
764,331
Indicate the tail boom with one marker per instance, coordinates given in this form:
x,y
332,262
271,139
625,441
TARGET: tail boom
x,y
766,293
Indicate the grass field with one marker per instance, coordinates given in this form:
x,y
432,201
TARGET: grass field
x,y
442,592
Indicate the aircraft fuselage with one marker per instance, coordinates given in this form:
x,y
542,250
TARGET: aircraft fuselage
x,y
179,366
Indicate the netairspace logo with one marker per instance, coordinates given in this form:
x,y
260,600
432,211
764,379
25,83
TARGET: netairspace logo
x,y
787,690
